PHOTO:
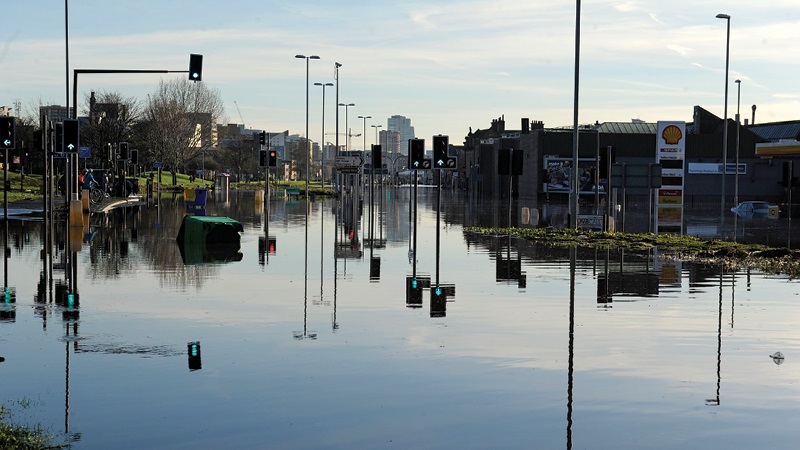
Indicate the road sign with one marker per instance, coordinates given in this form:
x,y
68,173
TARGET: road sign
x,y
349,161
157,165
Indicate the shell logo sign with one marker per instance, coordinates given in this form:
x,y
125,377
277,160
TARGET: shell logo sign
x,y
672,135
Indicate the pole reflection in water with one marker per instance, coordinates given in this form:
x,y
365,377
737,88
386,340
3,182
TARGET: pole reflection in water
x,y
715,401
571,345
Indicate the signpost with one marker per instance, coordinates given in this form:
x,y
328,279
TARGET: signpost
x,y
349,163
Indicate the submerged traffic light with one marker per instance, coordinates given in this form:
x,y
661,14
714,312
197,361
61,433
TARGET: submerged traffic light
x,y
195,67
440,151
438,302
193,348
417,153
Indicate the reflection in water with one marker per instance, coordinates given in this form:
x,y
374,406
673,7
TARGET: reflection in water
x,y
472,369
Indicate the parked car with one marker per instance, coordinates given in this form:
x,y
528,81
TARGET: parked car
x,y
756,209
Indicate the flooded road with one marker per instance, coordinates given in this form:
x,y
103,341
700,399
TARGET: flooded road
x,y
313,335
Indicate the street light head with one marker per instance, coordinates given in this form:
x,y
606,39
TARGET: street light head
x,y
738,81
317,84
313,57
300,56
328,84
337,65
723,16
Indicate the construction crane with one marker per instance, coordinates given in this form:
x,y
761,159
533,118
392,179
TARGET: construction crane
x,y
240,113
349,137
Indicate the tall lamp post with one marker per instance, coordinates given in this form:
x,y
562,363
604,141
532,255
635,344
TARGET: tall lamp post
x,y
322,153
308,141
346,129
365,129
725,114
738,129
376,132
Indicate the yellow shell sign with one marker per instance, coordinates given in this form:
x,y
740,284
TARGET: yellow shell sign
x,y
671,135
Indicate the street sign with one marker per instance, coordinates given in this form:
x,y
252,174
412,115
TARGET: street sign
x,y
157,165
349,161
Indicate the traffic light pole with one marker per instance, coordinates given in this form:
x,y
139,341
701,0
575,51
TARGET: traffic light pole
x,y
438,228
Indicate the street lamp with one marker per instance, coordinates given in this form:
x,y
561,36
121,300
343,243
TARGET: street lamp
x,y
308,142
725,119
738,129
365,129
322,154
376,132
346,129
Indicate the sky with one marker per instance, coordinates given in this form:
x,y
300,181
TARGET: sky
x,y
449,65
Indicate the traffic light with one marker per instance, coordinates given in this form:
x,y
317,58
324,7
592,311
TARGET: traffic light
x,y
438,302
195,67
503,161
193,350
413,292
417,153
72,135
59,147
273,158
7,132
134,156
376,158
440,151
517,160
262,158
262,138
38,140
123,151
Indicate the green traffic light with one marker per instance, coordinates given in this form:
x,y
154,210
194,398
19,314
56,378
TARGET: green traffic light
x,y
414,283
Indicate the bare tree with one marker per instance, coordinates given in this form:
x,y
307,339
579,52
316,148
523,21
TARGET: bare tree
x,y
179,120
111,119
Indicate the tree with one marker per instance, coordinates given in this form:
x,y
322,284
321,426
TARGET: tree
x,y
179,120
111,120
238,154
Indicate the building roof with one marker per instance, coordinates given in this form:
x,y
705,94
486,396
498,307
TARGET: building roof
x,y
628,127
777,130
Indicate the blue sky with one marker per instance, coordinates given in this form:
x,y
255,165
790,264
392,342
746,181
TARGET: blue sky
x,y
448,65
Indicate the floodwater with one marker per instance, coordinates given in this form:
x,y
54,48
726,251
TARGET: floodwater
x,y
308,336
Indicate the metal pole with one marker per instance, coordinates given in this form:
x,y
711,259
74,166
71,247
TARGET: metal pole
x,y
725,115
738,129
573,194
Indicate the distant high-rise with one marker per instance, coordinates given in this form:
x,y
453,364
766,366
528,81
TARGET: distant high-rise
x,y
56,113
402,125
390,141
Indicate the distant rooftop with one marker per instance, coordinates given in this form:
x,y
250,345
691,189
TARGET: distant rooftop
x,y
777,130
635,127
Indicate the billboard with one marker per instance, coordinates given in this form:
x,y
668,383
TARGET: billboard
x,y
558,173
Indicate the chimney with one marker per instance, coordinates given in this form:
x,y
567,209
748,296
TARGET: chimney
x,y
526,125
